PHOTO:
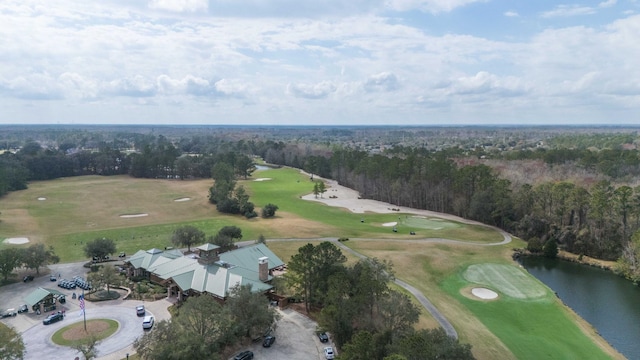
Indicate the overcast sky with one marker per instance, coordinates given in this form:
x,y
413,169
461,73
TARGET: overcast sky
x,y
319,62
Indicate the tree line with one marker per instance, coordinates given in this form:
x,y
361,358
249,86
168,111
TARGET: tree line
x,y
33,257
595,220
156,157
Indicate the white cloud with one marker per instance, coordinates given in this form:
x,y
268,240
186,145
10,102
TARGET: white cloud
x,y
234,87
607,3
511,13
136,86
486,83
77,86
34,86
179,5
384,81
431,6
568,11
311,91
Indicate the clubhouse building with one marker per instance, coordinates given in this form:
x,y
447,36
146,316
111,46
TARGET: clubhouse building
x,y
206,271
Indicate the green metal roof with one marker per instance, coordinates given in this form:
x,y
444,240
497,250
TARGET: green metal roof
x,y
247,257
239,266
39,294
145,259
208,247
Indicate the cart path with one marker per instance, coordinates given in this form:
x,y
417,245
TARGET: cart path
x,y
348,198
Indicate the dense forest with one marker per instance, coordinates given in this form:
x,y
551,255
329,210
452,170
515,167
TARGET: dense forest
x,y
575,187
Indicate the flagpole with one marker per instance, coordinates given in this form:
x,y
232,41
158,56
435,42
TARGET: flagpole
x,y
84,313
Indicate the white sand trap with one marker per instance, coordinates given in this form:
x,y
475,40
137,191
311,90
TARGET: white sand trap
x,y
262,179
133,215
42,198
484,293
16,241
390,223
182,199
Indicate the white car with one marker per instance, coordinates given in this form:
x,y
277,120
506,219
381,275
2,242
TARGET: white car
x,y
147,322
328,353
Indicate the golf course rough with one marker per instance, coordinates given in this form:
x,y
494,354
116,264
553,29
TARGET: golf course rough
x,y
508,280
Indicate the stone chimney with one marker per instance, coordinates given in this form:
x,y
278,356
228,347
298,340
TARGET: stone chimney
x,y
263,268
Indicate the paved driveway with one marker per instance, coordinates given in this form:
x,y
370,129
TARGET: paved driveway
x,y
295,333
37,337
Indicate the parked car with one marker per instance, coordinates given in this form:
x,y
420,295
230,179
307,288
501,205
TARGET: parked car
x,y
147,322
23,309
323,337
27,278
245,355
140,310
52,277
268,341
328,353
55,317
122,255
8,313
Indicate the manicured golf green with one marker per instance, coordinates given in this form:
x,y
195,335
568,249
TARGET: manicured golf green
x,y
531,329
429,223
506,279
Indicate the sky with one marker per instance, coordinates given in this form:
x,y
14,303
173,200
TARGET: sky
x,y
320,62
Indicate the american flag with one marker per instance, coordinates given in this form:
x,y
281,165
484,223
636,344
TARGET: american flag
x,y
81,298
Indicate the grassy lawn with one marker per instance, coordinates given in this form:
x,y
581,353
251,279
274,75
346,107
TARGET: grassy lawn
x,y
99,328
77,210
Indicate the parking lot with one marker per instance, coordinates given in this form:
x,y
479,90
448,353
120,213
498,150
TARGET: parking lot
x,y
295,333
295,339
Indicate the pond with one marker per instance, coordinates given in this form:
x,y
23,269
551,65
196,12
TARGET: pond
x,y
608,302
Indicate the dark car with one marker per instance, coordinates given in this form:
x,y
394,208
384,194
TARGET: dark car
x,y
28,278
245,355
23,309
8,313
268,341
323,337
55,317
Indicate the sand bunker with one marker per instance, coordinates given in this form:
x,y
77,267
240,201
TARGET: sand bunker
x,y
484,293
16,241
42,198
182,199
133,215
262,179
390,223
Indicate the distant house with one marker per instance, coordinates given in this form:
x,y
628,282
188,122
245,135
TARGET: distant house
x,y
207,271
